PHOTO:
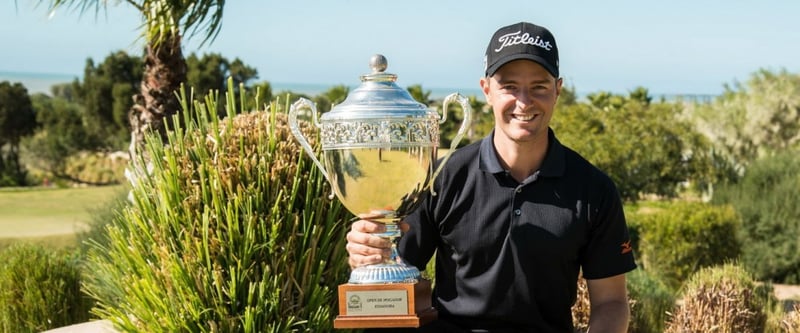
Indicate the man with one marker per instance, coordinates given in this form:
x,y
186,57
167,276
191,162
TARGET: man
x,y
516,215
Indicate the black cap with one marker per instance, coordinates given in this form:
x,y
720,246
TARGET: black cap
x,y
522,41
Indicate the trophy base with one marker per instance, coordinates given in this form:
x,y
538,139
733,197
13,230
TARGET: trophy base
x,y
403,304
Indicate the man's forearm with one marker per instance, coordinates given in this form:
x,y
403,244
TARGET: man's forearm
x,y
610,317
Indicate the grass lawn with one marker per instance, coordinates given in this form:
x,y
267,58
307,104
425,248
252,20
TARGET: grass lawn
x,y
50,215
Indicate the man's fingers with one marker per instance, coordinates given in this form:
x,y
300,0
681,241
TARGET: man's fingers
x,y
368,226
367,251
361,255
358,261
368,240
363,247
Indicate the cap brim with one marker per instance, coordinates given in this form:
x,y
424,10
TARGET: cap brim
x,y
537,59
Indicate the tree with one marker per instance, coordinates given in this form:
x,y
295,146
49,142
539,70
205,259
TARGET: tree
x,y
334,95
606,100
755,119
61,134
419,94
641,95
165,22
211,72
568,96
17,120
106,93
645,149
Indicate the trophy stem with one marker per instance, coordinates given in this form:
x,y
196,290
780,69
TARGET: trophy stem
x,y
392,270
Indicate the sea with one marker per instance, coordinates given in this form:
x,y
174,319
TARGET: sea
x,y
36,82
42,82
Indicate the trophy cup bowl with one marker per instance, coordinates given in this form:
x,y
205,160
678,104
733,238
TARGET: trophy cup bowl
x,y
379,148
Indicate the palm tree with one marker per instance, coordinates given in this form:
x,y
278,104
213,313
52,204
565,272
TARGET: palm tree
x,y
164,23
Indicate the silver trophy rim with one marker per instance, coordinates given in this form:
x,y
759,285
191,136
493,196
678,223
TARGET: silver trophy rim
x,y
384,273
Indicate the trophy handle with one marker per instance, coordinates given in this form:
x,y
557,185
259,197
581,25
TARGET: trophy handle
x,y
465,123
296,106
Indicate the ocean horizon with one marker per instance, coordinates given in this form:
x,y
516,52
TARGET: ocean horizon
x,y
42,82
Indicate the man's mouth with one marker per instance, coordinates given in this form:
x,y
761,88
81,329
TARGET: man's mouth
x,y
524,117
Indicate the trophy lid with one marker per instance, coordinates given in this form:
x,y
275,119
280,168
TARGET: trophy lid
x,y
378,97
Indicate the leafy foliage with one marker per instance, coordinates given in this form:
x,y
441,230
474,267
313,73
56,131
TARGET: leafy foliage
x,y
17,120
105,94
419,94
651,301
210,72
766,198
61,134
678,241
334,95
754,119
40,289
645,148
231,232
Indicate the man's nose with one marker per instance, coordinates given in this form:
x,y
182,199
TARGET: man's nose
x,y
523,99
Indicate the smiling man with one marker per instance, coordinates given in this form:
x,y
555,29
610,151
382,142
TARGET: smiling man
x,y
518,215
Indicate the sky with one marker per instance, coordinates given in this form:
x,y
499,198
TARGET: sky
x,y
668,47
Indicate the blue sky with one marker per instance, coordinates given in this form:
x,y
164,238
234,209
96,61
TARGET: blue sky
x,y
679,46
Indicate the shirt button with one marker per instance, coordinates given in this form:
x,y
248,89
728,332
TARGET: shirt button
x,y
517,212
519,189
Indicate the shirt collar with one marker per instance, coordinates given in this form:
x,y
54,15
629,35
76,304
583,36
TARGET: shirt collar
x,y
552,166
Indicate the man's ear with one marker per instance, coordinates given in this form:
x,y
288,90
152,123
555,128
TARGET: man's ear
x,y
484,82
559,82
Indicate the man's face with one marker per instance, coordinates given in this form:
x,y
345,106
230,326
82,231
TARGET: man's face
x,y
523,97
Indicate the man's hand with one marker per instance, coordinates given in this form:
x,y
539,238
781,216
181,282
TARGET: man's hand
x,y
365,248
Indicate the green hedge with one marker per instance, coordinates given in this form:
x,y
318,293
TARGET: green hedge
x,y
40,289
767,198
232,231
683,237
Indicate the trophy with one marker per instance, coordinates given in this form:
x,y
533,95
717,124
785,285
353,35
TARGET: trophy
x,y
379,148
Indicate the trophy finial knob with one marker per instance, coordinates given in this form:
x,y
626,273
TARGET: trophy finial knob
x,y
378,63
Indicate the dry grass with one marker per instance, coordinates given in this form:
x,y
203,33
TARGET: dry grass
x,y
722,299
791,322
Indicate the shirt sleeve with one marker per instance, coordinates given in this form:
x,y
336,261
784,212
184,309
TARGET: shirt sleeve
x,y
608,251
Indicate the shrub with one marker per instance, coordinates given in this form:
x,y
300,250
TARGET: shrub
x,y
766,199
645,148
40,289
721,299
677,241
651,300
232,231
791,322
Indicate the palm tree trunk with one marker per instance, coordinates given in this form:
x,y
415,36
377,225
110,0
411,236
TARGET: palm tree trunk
x,y
164,72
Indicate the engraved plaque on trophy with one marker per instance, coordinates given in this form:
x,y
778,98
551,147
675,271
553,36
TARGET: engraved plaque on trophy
x,y
379,147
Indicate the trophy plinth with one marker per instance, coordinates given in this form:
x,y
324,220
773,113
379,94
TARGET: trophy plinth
x,y
402,304
378,151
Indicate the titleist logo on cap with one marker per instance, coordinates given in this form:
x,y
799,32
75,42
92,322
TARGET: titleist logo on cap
x,y
522,41
516,38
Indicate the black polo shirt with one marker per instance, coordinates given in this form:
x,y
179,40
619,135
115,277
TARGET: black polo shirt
x,y
508,253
